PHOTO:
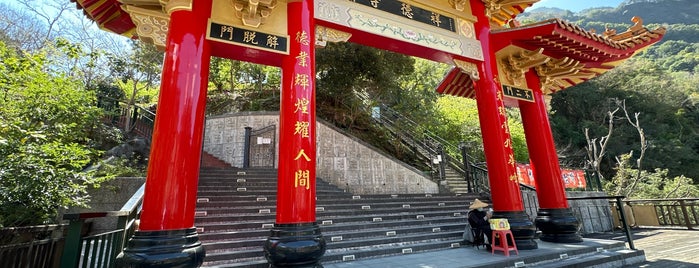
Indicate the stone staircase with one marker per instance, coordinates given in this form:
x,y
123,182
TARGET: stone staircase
x,y
236,209
456,183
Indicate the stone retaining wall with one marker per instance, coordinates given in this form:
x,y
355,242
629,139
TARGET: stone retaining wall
x,y
342,160
595,215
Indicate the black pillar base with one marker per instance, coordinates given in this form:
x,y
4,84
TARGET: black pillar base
x,y
171,248
522,228
295,245
558,225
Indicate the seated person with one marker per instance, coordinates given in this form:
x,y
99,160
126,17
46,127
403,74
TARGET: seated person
x,y
478,219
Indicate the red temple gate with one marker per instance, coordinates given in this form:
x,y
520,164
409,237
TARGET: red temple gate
x,y
498,62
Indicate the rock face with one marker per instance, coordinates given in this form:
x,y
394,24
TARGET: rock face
x,y
137,146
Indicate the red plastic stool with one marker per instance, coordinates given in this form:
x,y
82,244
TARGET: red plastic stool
x,y
503,245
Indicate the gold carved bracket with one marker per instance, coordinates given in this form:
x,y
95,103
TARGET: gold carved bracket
x,y
325,35
515,65
553,74
151,25
176,5
468,68
253,13
458,4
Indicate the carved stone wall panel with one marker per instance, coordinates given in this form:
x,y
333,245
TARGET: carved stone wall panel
x,y
374,21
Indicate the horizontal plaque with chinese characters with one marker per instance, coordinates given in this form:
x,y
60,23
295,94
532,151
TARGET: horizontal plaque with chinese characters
x,y
518,93
411,12
250,38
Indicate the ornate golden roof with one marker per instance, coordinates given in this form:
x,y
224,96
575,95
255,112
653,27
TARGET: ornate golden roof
x,y
502,11
561,53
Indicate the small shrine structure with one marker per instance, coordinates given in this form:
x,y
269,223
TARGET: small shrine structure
x,y
497,62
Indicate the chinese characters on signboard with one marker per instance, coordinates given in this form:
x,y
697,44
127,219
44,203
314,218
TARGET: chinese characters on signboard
x,y
411,12
249,38
518,93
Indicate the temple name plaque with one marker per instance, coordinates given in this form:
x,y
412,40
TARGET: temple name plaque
x,y
248,38
518,93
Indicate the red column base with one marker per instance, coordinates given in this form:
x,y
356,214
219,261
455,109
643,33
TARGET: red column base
x,y
558,225
295,245
522,228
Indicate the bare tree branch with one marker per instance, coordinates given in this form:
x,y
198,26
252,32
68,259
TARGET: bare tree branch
x,y
594,153
644,145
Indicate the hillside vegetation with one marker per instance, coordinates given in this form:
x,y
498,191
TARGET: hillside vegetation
x,y
660,85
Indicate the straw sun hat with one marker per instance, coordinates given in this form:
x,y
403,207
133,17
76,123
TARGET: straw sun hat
x,y
478,204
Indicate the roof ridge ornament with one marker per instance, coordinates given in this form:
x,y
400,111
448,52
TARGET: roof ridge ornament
x,y
633,31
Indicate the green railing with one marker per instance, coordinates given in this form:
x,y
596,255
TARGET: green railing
x,y
100,250
130,118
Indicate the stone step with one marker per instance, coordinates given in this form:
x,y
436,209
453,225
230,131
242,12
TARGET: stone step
x,y
237,174
252,200
601,255
344,232
336,217
223,192
347,240
257,187
253,206
217,259
219,224
247,196
603,259
235,213
211,232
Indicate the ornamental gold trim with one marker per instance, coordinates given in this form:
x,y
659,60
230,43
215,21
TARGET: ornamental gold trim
x,y
468,68
325,35
253,13
515,65
555,74
151,25
458,4
171,6
502,11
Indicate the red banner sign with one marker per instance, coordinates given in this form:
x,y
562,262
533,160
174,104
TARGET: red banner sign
x,y
572,178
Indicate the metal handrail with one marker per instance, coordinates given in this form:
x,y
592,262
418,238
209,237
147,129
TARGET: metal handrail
x,y
674,211
100,250
431,145
142,119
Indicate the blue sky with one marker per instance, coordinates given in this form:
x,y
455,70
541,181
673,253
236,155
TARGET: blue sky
x,y
577,5
572,5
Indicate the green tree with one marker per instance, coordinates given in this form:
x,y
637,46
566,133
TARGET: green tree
x,y
652,184
669,116
137,73
46,121
460,123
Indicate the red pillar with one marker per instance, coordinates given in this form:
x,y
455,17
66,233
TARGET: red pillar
x,y
554,218
502,170
166,235
295,238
